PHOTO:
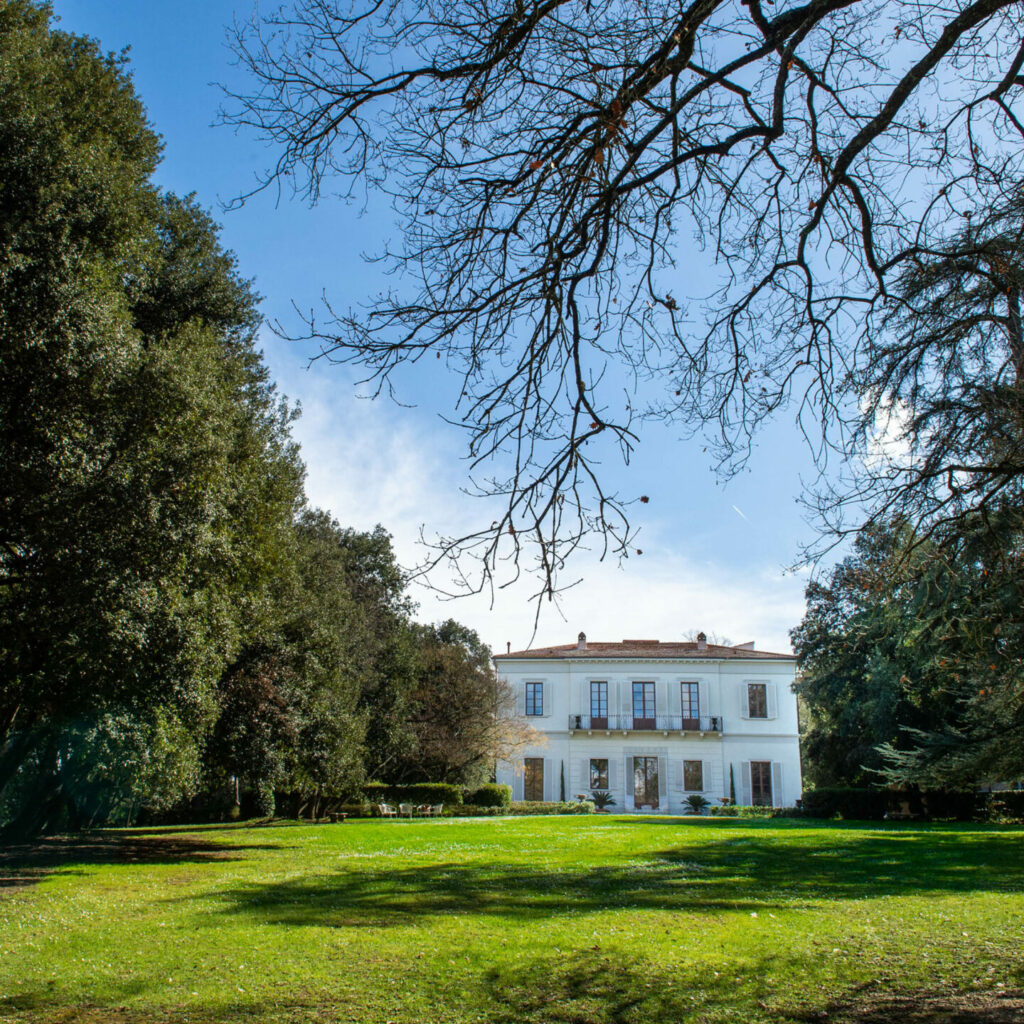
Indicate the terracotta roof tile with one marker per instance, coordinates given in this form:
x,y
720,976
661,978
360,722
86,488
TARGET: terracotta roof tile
x,y
646,649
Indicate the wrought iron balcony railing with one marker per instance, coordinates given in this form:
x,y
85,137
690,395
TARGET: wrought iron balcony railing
x,y
656,723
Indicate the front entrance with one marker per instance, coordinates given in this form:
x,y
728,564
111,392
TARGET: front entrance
x,y
645,782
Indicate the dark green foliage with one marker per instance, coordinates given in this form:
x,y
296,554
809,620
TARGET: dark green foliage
x,y
602,799
848,802
461,714
177,632
910,660
1007,805
491,794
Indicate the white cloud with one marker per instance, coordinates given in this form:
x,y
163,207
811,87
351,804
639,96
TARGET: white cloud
x,y
371,462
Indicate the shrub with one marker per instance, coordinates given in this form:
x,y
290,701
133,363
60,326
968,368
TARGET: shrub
x,y
555,807
602,799
725,811
490,795
696,803
474,811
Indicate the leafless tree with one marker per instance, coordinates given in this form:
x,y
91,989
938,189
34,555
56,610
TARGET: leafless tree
x,y
556,165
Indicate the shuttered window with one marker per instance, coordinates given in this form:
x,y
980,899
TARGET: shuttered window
x,y
693,776
757,700
535,699
599,773
533,778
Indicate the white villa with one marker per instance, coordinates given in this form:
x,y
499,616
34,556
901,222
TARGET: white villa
x,y
653,722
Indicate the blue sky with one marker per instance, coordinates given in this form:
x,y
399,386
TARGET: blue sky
x,y
714,554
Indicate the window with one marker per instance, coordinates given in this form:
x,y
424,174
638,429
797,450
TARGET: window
x,y
599,773
757,700
690,702
533,775
761,783
693,776
599,702
535,698
643,701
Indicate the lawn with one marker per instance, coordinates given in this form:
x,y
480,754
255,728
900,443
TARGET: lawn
x,y
574,920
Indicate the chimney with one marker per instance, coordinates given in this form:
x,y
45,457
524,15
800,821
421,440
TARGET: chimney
x,y
508,646
702,641
581,642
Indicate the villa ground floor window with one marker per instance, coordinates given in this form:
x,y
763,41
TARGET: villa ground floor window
x,y
599,773
693,776
533,778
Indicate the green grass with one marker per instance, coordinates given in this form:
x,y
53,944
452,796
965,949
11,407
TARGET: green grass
x,y
575,920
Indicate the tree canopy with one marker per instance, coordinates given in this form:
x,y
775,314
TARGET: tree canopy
x,y
550,163
174,619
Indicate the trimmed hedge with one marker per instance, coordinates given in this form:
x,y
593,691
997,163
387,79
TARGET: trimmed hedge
x,y
525,807
490,795
417,793
741,811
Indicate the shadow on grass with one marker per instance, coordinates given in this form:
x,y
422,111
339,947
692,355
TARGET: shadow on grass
x,y
27,863
742,872
595,989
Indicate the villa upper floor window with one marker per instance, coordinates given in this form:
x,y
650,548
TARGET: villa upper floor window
x,y
757,700
535,698
690,701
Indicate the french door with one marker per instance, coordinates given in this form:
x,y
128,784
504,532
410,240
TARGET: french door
x,y
761,784
645,782
533,778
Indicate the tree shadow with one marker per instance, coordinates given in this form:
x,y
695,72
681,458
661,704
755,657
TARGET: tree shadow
x,y
921,1008
28,863
739,872
592,988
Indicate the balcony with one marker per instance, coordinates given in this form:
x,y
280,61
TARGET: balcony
x,y
658,723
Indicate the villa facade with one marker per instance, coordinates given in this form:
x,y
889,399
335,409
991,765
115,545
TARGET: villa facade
x,y
655,722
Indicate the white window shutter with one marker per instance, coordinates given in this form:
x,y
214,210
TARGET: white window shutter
x,y
626,697
613,775
679,775
545,706
706,768
549,772
521,699
772,700
744,781
662,783
703,697
660,698
517,781
777,784
629,778
744,702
